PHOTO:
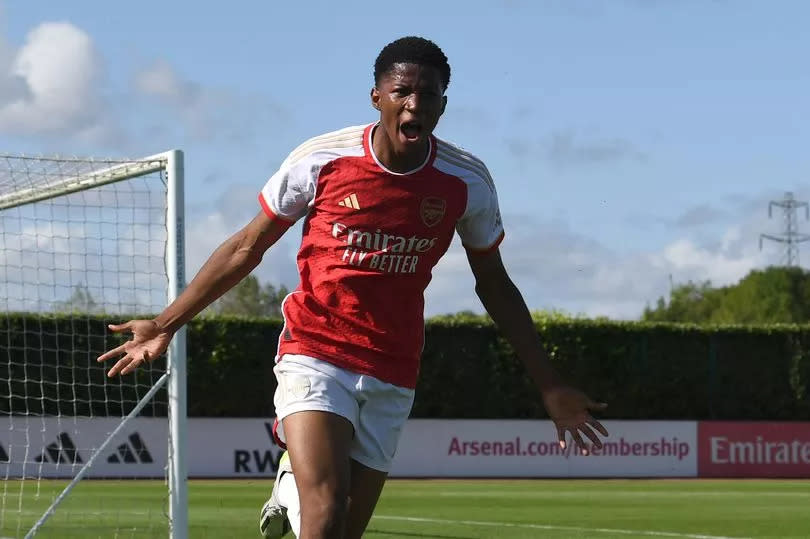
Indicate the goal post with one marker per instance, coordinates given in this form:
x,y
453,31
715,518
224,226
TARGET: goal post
x,y
176,270
83,243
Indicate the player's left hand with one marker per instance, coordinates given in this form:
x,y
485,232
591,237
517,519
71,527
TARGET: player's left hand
x,y
569,409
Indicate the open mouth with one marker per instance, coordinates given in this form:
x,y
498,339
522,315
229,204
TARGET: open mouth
x,y
411,130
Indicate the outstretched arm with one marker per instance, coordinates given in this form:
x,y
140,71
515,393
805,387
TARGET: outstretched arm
x,y
567,406
230,263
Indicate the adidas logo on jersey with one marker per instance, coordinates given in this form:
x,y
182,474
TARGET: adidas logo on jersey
x,y
350,202
132,452
62,450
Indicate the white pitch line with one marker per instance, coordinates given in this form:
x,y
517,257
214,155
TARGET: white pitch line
x,y
559,528
95,513
627,494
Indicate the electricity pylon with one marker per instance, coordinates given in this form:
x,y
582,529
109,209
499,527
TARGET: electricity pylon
x,y
791,237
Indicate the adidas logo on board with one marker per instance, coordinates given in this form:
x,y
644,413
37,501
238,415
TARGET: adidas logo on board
x,y
132,452
62,450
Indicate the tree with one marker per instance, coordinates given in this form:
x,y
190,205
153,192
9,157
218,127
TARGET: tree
x,y
251,298
80,301
773,295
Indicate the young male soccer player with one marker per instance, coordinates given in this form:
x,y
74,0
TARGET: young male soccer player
x,y
381,204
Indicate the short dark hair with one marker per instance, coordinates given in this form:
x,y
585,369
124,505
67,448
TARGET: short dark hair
x,y
412,50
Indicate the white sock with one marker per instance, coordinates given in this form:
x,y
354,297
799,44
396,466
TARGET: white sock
x,y
287,495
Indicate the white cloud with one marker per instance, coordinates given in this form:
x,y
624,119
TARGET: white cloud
x,y
556,268
721,266
700,215
195,107
43,261
50,84
160,80
54,84
563,148
206,113
12,86
567,148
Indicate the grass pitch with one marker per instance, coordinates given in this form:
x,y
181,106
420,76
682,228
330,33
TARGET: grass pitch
x,y
511,509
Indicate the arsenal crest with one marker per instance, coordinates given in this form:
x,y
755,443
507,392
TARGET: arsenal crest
x,y
432,210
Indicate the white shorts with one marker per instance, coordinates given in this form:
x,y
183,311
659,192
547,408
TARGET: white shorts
x,y
377,410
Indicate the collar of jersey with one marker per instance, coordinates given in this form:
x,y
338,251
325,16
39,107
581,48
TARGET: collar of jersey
x,y
428,159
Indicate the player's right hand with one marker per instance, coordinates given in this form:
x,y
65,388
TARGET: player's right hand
x,y
148,342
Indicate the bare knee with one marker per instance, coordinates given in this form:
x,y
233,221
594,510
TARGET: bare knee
x,y
323,512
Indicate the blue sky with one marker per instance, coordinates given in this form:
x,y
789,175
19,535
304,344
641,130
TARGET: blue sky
x,y
631,140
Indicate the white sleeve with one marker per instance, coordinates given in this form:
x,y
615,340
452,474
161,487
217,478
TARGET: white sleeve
x,y
290,192
480,228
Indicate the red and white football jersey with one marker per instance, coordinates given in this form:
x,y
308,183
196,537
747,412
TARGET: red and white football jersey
x,y
370,241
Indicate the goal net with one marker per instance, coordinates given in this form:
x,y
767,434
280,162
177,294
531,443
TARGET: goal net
x,y
85,243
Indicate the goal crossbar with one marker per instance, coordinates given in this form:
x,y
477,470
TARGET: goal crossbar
x,y
81,182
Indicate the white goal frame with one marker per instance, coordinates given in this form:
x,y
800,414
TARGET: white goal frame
x,y
172,163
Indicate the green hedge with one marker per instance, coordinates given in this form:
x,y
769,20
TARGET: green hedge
x,y
644,371
48,367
